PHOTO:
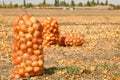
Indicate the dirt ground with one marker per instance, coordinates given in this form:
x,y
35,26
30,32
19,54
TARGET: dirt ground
x,y
97,59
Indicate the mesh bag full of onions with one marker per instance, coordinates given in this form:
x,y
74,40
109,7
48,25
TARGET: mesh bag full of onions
x,y
50,33
27,51
73,39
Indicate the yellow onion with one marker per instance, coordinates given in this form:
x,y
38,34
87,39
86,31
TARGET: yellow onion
x,y
28,69
37,52
35,46
35,63
29,44
23,47
28,36
30,51
21,71
36,69
31,30
28,62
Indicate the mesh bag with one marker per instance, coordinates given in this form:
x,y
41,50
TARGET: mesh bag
x,y
70,39
27,51
50,33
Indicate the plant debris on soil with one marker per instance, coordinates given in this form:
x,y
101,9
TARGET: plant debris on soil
x,y
97,59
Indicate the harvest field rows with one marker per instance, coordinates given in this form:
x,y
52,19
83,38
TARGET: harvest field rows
x,y
97,59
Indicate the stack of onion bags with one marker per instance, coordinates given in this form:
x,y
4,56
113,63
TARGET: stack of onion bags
x,y
27,52
50,33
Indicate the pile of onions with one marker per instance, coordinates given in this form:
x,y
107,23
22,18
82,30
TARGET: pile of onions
x,y
50,33
70,39
27,52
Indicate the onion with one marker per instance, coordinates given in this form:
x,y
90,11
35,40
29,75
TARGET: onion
x,y
36,26
28,62
21,22
30,51
21,34
21,71
15,48
18,28
35,46
17,37
34,40
22,39
40,47
35,63
12,76
31,29
36,34
28,23
51,35
53,38
40,62
22,65
28,36
50,43
17,76
36,69
48,22
14,56
18,60
23,47
25,56
23,28
37,52
28,69
53,23
47,38
29,44
20,52
33,19
44,31
50,28
27,75
34,58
